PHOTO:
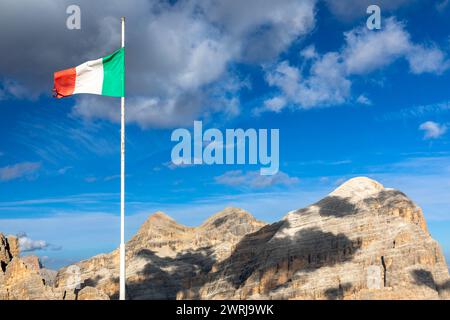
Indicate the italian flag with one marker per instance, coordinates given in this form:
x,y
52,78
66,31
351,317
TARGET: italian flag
x,y
104,76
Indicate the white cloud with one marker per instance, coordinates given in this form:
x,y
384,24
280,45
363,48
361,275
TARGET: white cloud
x,y
64,170
253,179
433,130
27,244
362,99
191,43
417,111
325,85
185,50
19,170
44,206
309,52
275,104
366,50
143,111
329,78
112,177
427,60
260,30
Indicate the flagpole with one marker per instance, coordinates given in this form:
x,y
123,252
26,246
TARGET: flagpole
x,y
122,185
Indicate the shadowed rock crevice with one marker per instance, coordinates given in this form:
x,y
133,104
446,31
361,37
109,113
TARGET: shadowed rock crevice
x,y
391,197
91,282
336,207
5,251
425,278
384,195
339,292
249,252
261,253
171,273
220,221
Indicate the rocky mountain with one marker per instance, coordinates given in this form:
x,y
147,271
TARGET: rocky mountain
x,y
362,241
24,278
164,257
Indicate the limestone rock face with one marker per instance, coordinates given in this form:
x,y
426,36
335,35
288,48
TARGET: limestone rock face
x,y
90,293
23,278
362,241
8,249
164,257
32,262
23,283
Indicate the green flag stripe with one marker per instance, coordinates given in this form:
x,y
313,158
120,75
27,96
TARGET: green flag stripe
x,y
114,74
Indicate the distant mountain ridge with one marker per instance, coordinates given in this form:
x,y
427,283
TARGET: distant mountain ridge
x,y
362,241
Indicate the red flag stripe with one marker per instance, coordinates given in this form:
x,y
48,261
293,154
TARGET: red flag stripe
x,y
64,82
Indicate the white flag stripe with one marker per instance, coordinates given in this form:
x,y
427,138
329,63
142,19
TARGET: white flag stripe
x,y
89,77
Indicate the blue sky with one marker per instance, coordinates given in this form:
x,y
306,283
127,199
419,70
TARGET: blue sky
x,y
348,102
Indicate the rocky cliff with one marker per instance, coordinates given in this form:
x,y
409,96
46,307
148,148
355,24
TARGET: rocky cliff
x,y
20,277
362,241
24,278
164,257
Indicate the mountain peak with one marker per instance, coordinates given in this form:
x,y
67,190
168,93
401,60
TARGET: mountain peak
x,y
226,215
159,215
228,211
158,221
360,187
